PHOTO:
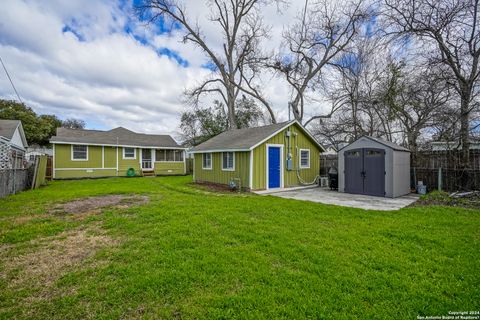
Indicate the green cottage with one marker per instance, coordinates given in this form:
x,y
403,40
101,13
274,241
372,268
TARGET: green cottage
x,y
117,152
279,155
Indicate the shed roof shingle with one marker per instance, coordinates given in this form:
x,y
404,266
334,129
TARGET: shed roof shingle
x,y
389,144
118,136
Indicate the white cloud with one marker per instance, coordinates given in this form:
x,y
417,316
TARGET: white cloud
x,y
102,74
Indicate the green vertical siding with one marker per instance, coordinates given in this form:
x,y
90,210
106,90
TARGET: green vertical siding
x,y
297,142
95,167
110,158
63,157
169,168
125,164
85,173
217,175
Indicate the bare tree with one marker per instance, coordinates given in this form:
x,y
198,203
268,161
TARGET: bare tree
x,y
322,31
415,99
236,63
451,27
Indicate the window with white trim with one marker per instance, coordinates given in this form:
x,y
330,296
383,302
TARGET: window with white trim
x,y
304,158
79,152
228,161
207,161
129,153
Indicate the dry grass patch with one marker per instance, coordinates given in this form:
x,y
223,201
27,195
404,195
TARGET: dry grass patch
x,y
51,258
93,205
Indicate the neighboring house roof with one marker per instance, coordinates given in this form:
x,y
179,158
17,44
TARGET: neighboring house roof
x,y
388,144
452,145
246,139
118,136
12,130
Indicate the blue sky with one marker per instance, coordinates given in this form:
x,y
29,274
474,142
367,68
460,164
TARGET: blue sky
x,y
95,61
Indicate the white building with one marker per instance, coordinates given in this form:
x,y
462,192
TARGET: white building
x,y
13,144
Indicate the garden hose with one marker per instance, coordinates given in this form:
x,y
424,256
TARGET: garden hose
x,y
131,172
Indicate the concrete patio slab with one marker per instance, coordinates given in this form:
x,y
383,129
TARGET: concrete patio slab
x,y
328,196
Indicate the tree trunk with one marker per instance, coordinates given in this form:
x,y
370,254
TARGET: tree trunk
x,y
295,110
464,129
232,120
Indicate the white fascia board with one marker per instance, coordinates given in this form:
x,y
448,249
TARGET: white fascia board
x,y
117,145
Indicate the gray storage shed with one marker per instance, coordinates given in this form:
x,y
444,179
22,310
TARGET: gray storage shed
x,y
374,167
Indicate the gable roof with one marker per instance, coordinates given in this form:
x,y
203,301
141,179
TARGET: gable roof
x,y
118,136
247,139
388,144
8,128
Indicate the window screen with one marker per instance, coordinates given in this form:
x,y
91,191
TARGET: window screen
x,y
179,155
159,155
304,158
228,161
129,153
207,161
79,152
170,155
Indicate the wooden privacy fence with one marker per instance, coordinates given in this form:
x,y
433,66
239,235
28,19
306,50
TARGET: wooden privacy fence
x,y
40,172
446,179
189,166
13,181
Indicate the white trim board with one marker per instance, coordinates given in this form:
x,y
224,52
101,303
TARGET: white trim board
x,y
250,177
117,145
281,146
80,169
53,162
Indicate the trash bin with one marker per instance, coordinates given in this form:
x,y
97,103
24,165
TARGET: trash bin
x,y
333,178
421,189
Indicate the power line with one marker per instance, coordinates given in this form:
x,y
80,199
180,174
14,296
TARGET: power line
x,y
11,82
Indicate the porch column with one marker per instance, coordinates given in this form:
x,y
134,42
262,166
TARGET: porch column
x,y
153,158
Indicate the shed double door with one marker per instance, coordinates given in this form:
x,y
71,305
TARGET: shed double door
x,y
365,171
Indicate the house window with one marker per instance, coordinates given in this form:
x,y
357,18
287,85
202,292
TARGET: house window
x,y
129,153
304,158
207,161
228,161
79,152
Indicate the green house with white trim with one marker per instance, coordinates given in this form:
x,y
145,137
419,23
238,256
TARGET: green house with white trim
x,y
275,156
117,152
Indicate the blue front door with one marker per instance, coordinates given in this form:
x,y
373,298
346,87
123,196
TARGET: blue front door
x,y
274,167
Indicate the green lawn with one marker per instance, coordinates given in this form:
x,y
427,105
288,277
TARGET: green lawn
x,y
191,253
